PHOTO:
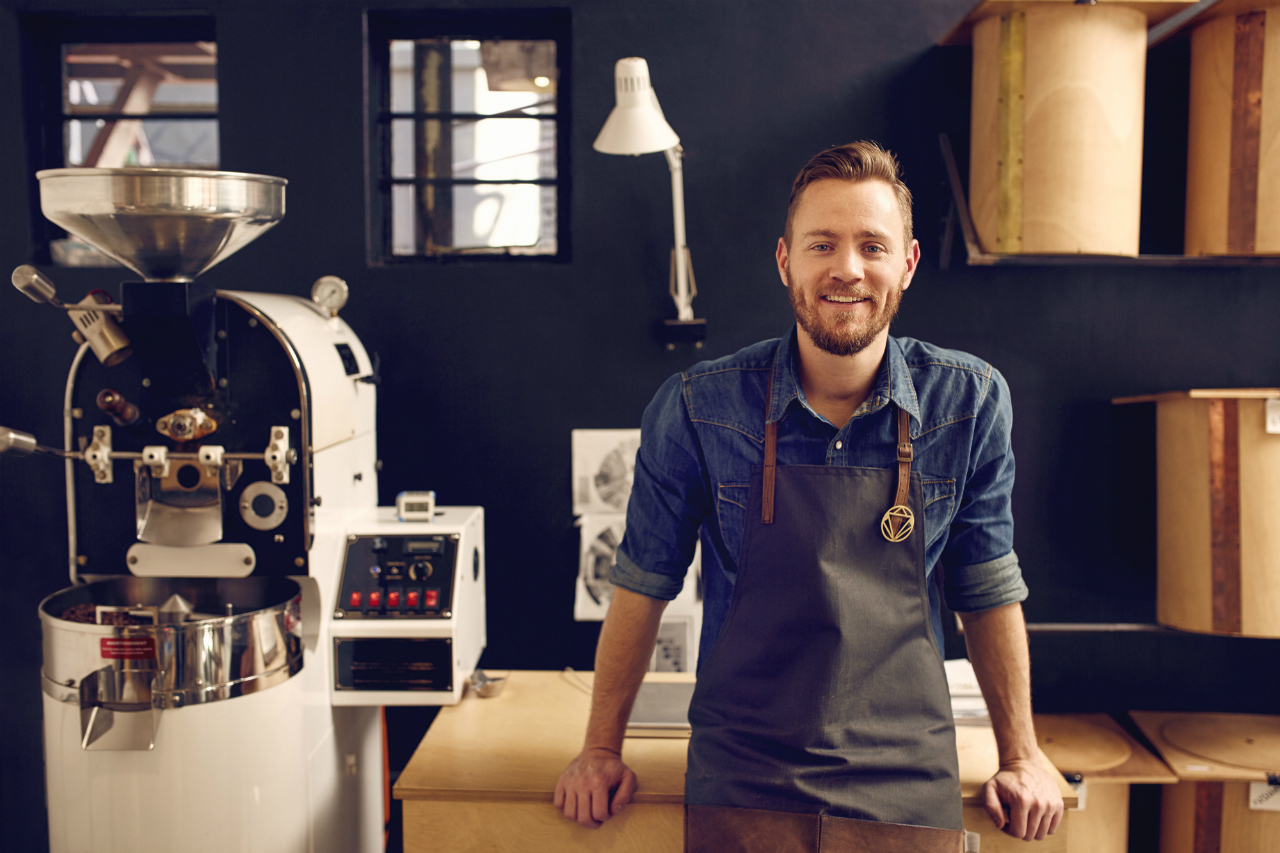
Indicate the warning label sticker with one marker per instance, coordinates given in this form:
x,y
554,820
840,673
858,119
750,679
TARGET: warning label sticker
x,y
128,648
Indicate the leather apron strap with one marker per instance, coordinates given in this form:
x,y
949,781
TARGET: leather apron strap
x,y
897,522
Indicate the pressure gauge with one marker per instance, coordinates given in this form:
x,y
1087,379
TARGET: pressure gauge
x,y
330,293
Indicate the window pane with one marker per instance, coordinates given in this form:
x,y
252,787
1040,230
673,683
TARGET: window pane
x,y
471,219
494,149
461,76
140,79
174,143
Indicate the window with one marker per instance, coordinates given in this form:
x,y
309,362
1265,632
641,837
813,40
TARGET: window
x,y
467,135
116,92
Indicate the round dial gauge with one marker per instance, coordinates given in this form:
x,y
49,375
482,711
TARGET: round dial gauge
x,y
330,293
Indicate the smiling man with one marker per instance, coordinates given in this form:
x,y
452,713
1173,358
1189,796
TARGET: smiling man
x,y
842,482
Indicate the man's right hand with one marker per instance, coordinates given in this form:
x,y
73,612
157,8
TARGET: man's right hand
x,y
583,792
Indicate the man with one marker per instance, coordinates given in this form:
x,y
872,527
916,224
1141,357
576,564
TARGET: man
x,y
828,473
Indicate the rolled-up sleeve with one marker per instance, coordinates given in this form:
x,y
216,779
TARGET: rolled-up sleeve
x,y
981,570
669,500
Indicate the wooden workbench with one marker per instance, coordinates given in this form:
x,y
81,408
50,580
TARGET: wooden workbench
x,y
484,776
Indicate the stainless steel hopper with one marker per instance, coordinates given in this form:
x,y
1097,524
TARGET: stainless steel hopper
x,y
164,224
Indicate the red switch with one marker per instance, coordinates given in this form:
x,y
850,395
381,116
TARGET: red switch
x,y
393,598
433,598
375,598
355,600
411,599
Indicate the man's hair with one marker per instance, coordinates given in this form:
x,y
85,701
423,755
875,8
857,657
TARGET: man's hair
x,y
857,161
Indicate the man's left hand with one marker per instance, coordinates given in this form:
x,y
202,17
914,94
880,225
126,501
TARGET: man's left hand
x,y
1030,795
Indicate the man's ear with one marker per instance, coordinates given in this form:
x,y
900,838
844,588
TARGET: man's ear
x,y
913,260
781,255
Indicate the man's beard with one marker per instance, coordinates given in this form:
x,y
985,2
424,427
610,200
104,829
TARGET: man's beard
x,y
848,337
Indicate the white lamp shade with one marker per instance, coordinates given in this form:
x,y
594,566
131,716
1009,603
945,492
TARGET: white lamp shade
x,y
636,125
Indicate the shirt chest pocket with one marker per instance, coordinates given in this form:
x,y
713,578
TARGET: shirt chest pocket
x,y
939,505
731,510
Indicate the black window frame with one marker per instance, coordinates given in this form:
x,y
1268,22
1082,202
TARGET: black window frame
x,y
43,36
383,26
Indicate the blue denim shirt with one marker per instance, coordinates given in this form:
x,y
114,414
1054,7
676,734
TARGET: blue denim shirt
x,y
704,431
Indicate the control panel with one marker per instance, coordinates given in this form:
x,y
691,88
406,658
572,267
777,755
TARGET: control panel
x,y
399,577
407,620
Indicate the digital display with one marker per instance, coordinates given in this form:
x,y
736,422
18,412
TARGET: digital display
x,y
417,507
429,546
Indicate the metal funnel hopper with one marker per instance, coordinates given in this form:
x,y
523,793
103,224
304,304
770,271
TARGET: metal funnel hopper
x,y
164,224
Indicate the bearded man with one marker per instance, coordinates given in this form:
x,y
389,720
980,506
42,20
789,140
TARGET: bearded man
x,y
842,481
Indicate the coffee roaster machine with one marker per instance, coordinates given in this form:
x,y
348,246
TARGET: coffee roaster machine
x,y
239,605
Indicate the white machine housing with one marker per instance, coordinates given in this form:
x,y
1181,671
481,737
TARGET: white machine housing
x,y
298,767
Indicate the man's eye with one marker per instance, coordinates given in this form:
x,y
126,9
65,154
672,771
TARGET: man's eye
x,y
876,249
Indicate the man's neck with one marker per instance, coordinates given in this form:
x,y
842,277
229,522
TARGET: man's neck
x,y
836,385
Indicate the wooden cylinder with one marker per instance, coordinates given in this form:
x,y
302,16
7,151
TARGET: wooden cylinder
x,y
1233,139
1218,513
1214,817
1055,162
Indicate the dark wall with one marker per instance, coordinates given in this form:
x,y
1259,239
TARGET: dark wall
x,y
486,368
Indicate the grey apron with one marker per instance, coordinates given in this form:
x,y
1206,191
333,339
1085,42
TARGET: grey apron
x,y
821,717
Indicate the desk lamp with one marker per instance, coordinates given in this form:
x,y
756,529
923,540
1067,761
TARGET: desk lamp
x,y
636,126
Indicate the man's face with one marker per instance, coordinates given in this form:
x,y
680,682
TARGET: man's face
x,y
846,266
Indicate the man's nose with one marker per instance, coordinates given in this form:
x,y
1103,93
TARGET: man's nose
x,y
847,266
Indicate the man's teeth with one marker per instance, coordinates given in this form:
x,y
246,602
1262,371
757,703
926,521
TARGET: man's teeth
x,y
846,298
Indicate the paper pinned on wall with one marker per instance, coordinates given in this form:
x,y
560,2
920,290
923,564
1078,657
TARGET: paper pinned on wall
x,y
604,461
601,535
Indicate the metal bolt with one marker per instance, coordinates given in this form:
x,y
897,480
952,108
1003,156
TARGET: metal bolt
x,y
339,614
77,413
146,383
222,383
222,334
82,560
296,414
278,538
299,561
133,561
248,561
253,323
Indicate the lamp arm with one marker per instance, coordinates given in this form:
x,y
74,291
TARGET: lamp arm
x,y
681,294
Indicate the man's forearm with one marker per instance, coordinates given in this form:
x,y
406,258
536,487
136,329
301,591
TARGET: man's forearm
x,y
622,658
997,643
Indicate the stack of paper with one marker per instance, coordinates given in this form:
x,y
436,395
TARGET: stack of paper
x,y
967,705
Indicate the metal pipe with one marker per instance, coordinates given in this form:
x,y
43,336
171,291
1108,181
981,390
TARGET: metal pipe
x,y
67,430
682,297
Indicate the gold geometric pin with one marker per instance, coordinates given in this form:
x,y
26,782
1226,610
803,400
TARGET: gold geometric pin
x,y
906,522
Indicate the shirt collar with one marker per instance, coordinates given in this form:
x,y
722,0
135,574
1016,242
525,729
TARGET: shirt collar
x,y
893,382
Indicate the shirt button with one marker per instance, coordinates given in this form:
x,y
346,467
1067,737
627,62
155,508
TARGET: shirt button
x,y
839,445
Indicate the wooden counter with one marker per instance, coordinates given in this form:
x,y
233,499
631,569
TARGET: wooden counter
x,y
484,776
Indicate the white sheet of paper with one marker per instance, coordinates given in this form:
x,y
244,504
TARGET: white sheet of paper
x,y
604,461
